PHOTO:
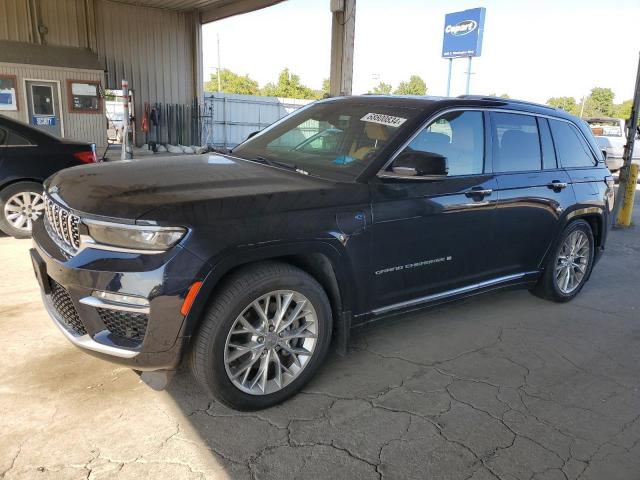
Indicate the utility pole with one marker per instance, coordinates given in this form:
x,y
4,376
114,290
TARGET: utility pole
x,y
219,80
468,75
623,207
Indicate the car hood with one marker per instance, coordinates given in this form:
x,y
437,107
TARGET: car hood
x,y
191,188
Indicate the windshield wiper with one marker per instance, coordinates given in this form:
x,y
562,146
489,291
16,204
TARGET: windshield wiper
x,y
276,163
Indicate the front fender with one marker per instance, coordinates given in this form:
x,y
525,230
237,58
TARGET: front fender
x,y
220,267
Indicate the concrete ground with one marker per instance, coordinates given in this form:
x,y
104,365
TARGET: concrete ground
x,y
502,386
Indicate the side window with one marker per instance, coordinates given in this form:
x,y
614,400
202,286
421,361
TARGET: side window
x,y
13,139
571,147
458,137
516,143
548,153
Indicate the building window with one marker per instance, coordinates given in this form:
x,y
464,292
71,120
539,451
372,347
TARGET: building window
x,y
84,96
8,93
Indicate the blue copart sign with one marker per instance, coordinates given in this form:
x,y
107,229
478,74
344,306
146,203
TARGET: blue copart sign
x,y
463,33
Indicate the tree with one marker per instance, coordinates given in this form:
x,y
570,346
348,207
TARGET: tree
x,y
502,95
623,110
415,86
288,86
382,89
599,103
232,83
325,87
568,104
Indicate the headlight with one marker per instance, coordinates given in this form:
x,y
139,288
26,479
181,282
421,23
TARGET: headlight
x,y
134,237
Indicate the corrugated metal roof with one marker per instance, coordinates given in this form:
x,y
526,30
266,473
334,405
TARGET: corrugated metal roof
x,y
180,5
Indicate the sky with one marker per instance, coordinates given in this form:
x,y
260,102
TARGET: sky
x,y
532,50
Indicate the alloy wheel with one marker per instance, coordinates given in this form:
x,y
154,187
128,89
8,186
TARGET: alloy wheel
x,y
572,261
22,209
271,342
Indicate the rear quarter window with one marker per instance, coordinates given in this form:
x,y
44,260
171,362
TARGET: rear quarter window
x,y
572,149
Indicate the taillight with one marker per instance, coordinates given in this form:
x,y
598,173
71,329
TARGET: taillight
x,y
86,157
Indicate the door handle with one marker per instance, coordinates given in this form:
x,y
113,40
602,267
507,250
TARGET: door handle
x,y
478,192
557,185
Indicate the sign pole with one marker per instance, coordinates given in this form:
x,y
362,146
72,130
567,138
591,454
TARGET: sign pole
x,y
468,75
449,78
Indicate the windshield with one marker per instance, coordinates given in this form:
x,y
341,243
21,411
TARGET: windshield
x,y
329,139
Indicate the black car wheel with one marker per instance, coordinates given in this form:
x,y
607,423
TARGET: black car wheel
x,y
568,269
20,204
263,336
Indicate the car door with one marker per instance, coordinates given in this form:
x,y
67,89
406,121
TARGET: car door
x,y
433,234
533,191
17,156
577,159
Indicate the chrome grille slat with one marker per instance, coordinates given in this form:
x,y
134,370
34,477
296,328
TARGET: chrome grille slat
x,y
63,225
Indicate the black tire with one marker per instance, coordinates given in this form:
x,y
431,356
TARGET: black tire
x,y
547,286
206,357
5,195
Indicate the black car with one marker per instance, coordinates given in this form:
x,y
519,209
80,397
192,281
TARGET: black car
x,y
27,157
248,264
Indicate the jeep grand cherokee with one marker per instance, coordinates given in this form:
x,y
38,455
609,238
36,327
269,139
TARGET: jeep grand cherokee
x,y
348,210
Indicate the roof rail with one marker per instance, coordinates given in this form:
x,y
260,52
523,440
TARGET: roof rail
x,y
501,99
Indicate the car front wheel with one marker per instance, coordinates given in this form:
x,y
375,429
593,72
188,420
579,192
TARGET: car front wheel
x,y
263,337
20,204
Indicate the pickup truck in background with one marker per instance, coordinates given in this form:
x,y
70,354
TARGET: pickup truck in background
x,y
611,135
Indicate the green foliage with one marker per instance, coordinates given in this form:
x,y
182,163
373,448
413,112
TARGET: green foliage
x,y
623,110
568,104
599,103
382,89
110,95
289,86
232,83
325,87
415,86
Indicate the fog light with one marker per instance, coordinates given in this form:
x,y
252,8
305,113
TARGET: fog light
x,y
130,300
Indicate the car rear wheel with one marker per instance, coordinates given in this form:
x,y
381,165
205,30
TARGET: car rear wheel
x,y
263,337
568,269
20,204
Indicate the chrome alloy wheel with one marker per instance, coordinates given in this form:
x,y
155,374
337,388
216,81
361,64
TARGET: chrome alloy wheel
x,y
271,342
572,261
22,209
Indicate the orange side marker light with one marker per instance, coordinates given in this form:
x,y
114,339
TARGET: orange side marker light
x,y
189,299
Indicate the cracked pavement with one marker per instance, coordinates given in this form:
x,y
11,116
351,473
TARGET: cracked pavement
x,y
501,386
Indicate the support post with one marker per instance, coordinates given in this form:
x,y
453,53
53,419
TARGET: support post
x,y
125,119
449,77
628,176
343,29
468,76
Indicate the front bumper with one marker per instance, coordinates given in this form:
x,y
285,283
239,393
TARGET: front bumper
x,y
143,338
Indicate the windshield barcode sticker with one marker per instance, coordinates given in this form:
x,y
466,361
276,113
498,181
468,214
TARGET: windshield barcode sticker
x,y
383,119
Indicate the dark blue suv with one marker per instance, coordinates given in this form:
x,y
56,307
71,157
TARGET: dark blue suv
x,y
249,263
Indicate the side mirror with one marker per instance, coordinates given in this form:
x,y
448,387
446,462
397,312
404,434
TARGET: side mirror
x,y
253,134
414,163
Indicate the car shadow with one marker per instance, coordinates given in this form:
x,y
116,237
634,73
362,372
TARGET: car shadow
x,y
339,423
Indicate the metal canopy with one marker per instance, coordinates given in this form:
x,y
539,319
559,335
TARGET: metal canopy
x,y
209,10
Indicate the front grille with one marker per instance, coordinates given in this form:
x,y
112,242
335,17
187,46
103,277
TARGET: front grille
x,y
62,225
64,306
124,324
